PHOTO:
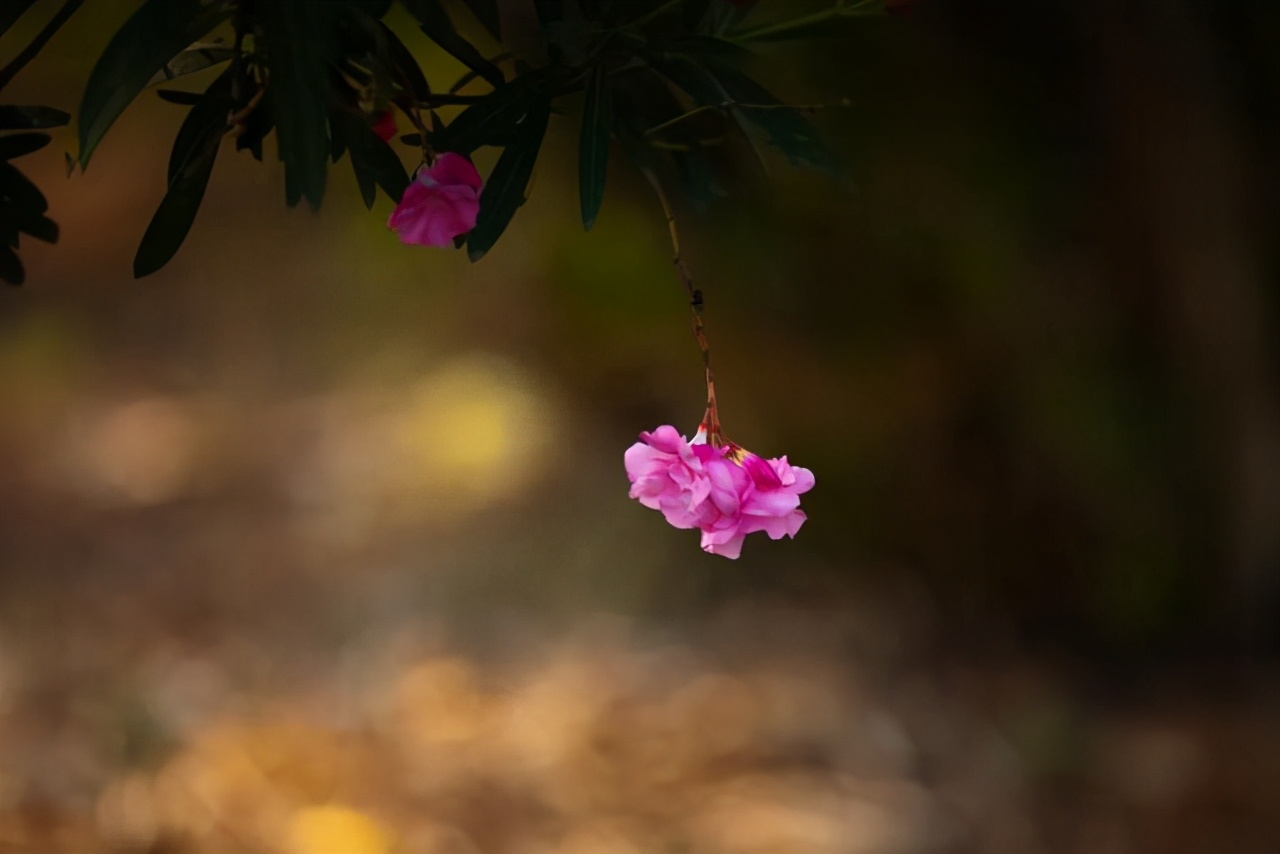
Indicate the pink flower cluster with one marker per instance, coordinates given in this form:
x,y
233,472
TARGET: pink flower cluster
x,y
725,492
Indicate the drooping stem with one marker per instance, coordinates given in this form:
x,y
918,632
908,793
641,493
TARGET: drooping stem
x,y
711,420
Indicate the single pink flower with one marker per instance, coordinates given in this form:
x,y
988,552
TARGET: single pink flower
x,y
726,492
439,204
384,125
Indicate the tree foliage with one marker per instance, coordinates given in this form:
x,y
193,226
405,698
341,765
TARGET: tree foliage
x,y
665,79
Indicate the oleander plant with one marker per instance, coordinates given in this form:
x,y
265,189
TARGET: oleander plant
x,y
313,83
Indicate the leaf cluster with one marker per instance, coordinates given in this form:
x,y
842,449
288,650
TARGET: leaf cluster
x,y
663,79
23,208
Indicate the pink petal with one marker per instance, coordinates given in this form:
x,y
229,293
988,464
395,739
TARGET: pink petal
x,y
730,548
434,216
665,438
450,169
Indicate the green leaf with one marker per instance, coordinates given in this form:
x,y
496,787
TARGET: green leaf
x,y
178,96
504,193
372,8
435,22
26,118
372,159
20,198
301,44
190,164
41,228
406,67
695,176
156,33
486,12
11,266
11,11
593,146
787,129
19,144
254,130
491,120
197,57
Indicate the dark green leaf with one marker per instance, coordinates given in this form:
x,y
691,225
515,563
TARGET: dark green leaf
x,y
11,11
491,120
190,164
301,42
18,144
156,33
593,147
710,46
255,128
26,118
486,12
11,266
22,199
788,130
210,110
177,96
372,8
406,67
439,28
193,59
695,176
41,228
505,189
372,159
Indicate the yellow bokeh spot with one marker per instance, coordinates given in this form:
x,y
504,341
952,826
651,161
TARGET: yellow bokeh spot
x,y
478,428
335,829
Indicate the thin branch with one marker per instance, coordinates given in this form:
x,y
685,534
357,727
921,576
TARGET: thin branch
x,y
29,52
711,420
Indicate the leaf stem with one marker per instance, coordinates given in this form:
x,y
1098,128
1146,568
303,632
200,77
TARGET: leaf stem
x,y
711,420
29,52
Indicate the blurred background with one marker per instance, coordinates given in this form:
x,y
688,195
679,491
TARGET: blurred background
x,y
315,543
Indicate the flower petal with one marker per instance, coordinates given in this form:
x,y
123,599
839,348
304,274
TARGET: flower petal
x,y
450,169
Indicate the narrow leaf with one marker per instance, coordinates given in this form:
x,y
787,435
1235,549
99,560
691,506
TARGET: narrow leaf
x,y
11,11
435,22
11,270
178,96
254,130
301,43
22,198
372,159
505,191
28,118
18,144
197,57
157,32
491,120
41,228
787,129
593,146
486,12
190,164
405,66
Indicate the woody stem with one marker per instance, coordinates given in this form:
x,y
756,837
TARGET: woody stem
x,y
711,420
